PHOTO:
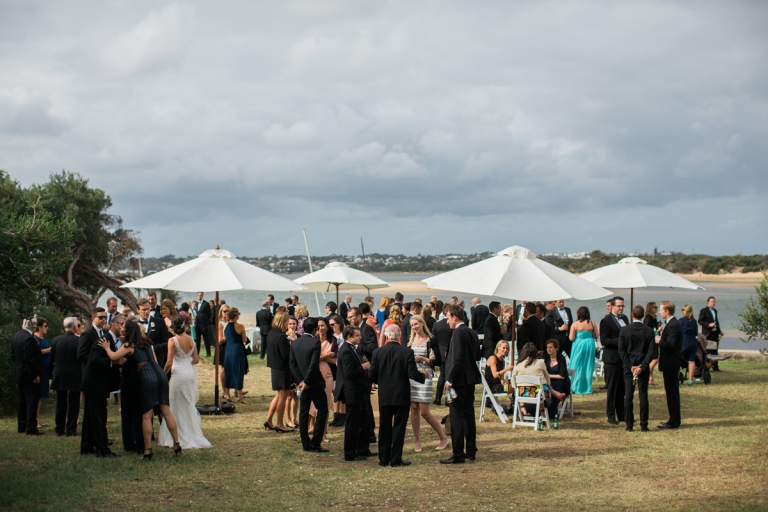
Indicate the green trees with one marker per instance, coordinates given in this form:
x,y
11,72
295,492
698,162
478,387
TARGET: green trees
x,y
754,318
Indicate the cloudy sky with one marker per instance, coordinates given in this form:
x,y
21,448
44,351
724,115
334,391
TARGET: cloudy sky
x,y
427,127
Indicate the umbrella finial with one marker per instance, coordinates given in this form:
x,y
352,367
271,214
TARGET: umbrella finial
x,y
217,247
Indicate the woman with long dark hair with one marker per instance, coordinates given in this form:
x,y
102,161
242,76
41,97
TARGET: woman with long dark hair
x,y
235,359
652,321
528,363
328,351
153,383
583,334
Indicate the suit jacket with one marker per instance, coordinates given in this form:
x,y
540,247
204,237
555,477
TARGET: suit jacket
x,y
343,310
66,369
386,311
264,321
291,309
88,339
555,321
99,373
27,357
368,342
430,321
670,347
155,312
480,314
278,350
405,329
203,318
391,368
549,332
442,333
636,346
532,330
491,335
158,334
350,376
463,354
705,318
305,361
609,338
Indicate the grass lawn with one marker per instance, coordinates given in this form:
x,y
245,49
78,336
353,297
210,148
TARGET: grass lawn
x,y
717,461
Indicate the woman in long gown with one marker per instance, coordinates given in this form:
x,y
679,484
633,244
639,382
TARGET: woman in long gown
x,y
182,388
234,358
328,352
153,383
221,353
583,335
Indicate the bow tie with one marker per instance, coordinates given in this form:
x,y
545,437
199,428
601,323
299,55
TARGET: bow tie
x,y
562,309
143,321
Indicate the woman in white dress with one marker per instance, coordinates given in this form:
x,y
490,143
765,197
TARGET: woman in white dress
x,y
182,389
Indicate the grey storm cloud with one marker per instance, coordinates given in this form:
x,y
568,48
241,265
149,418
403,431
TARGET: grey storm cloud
x,y
423,127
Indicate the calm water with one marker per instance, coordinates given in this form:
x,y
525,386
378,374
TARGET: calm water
x,y
730,301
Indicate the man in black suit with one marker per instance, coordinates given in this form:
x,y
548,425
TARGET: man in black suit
x,y
98,380
610,328
352,390
368,343
305,367
91,336
531,330
27,361
67,376
548,332
398,302
155,329
479,313
264,323
203,325
561,319
272,304
709,321
405,327
289,306
154,308
442,333
636,349
492,330
461,376
391,368
344,308
670,361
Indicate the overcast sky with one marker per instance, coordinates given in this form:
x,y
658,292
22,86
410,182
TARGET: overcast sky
x,y
427,127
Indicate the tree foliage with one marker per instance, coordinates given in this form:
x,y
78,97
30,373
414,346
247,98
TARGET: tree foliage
x,y
754,318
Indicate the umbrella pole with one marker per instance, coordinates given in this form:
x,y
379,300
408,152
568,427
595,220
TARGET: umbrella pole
x,y
631,300
216,352
512,326
338,304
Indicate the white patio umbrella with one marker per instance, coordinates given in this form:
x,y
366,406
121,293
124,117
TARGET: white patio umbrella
x,y
342,277
516,273
636,273
215,270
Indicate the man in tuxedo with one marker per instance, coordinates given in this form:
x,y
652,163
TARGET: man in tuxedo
x,y
461,375
114,330
289,306
391,368
443,334
398,302
155,329
111,309
548,332
91,336
304,362
492,330
405,327
670,361
98,380
272,304
264,323
610,328
368,343
203,328
480,312
27,361
344,308
709,321
531,330
561,319
67,376
636,349
154,309
352,390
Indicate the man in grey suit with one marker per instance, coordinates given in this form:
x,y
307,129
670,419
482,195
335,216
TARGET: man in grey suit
x,y
67,375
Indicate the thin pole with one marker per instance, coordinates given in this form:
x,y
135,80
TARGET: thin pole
x,y
309,258
512,325
216,351
337,296
631,300
365,266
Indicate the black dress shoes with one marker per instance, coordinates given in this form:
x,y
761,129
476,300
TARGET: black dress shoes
x,y
319,449
644,429
355,459
110,455
629,429
383,464
471,457
613,422
70,434
110,442
402,463
35,433
666,426
452,460
369,454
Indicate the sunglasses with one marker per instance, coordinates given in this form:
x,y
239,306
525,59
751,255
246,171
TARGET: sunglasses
x,y
102,317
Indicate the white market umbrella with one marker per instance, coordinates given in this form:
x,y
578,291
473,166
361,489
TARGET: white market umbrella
x,y
215,270
636,273
342,277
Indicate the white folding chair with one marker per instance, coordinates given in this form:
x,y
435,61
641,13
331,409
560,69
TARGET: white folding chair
x,y
488,394
528,420
599,367
568,402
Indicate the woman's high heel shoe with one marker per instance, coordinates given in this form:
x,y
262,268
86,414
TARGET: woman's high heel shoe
x,y
281,430
267,426
177,449
147,455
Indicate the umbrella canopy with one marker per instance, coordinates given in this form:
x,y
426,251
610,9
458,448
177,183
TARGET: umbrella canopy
x,y
516,273
636,273
340,276
215,270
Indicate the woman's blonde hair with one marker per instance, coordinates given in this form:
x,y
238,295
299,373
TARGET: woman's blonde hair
x,y
384,302
301,311
424,329
395,314
649,309
499,344
168,303
688,312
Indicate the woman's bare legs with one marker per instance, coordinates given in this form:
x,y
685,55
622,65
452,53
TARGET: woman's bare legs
x,y
691,370
170,422
652,366
435,424
146,429
416,424
272,409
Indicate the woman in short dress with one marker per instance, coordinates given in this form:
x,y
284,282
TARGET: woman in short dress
x,y
278,354
292,404
690,329
395,318
40,331
381,313
495,369
421,394
328,351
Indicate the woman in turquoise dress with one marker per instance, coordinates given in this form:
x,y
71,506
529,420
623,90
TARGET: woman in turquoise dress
x,y
583,335
234,357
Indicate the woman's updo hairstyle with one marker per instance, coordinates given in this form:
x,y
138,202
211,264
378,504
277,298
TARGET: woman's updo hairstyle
x,y
233,313
179,324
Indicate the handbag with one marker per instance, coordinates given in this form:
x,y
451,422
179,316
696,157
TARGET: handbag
x,y
248,349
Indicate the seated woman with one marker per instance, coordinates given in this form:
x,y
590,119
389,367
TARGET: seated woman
x,y
558,372
528,363
494,368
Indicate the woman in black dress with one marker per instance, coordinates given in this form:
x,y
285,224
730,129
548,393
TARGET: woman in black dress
x,y
153,383
558,372
651,321
494,367
278,353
